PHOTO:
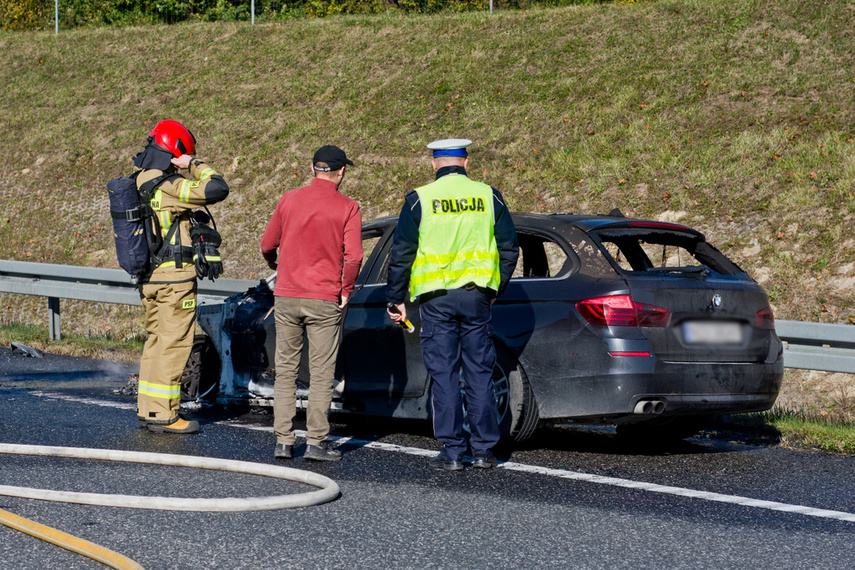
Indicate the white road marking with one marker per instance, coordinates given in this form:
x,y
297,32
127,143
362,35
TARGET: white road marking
x,y
522,468
82,400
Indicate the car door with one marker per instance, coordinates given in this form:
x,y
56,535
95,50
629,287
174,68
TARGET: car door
x,y
378,359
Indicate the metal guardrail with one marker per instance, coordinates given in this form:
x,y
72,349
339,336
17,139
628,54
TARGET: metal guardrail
x,y
817,346
810,346
90,284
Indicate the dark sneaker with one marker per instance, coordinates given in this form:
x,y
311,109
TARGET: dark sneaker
x,y
180,425
442,461
322,452
282,451
482,461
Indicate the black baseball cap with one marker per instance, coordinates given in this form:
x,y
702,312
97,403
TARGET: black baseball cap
x,y
332,156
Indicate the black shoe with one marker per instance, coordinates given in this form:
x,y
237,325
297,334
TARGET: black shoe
x,y
483,462
282,451
442,461
322,452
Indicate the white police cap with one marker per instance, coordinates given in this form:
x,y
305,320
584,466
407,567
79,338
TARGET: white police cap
x,y
449,147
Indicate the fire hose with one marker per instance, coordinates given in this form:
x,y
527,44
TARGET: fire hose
x,y
327,491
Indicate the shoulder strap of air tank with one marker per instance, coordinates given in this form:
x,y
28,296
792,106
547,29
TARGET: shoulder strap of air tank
x,y
148,187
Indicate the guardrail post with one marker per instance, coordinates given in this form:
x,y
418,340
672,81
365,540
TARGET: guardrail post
x,y
53,316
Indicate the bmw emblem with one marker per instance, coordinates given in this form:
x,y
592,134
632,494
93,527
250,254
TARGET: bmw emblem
x,y
716,301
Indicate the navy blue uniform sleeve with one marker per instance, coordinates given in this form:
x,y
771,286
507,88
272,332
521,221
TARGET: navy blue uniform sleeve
x,y
506,240
405,244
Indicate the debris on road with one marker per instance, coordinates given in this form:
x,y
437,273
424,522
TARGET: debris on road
x,y
18,348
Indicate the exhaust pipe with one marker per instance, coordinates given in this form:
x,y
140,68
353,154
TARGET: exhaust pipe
x,y
649,407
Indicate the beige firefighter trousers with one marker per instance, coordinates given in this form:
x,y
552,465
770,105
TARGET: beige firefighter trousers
x,y
170,319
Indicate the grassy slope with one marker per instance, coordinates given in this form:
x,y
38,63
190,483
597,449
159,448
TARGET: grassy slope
x,y
734,116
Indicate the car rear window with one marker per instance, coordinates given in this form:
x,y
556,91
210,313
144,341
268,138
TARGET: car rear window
x,y
635,250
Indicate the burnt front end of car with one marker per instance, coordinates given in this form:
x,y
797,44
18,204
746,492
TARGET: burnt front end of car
x,y
242,331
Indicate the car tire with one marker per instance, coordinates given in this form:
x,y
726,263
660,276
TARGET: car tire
x,y
522,418
518,414
201,377
661,430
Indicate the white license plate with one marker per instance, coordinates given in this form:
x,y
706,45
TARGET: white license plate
x,y
712,332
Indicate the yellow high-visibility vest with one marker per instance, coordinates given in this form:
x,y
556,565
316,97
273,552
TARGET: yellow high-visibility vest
x,y
456,241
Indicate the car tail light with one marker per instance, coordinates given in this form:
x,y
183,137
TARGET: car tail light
x,y
764,319
622,311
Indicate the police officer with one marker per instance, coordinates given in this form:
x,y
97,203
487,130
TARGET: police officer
x,y
168,293
456,247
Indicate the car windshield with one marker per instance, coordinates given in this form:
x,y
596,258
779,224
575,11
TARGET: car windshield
x,y
645,250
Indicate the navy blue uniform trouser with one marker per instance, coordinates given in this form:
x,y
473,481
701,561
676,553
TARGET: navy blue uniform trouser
x,y
457,330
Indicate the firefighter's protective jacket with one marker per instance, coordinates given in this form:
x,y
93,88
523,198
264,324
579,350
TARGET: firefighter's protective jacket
x,y
172,202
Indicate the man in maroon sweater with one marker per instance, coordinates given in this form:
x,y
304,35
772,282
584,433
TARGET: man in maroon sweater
x,y
318,234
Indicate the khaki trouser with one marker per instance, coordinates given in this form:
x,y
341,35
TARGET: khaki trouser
x,y
170,317
321,320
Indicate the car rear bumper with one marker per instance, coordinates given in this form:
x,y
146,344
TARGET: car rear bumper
x,y
673,388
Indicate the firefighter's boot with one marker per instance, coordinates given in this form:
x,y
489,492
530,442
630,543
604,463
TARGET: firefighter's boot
x,y
180,425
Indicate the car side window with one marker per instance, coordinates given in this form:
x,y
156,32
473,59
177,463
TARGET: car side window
x,y
540,257
368,245
383,275
374,252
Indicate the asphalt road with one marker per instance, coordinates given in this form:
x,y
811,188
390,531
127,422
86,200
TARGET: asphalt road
x,y
570,498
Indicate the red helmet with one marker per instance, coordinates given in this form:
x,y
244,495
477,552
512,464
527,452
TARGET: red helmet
x,y
173,137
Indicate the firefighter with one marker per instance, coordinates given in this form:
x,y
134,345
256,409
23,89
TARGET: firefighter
x,y
456,247
168,292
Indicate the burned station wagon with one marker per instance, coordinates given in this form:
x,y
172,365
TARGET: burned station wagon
x,y
640,324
